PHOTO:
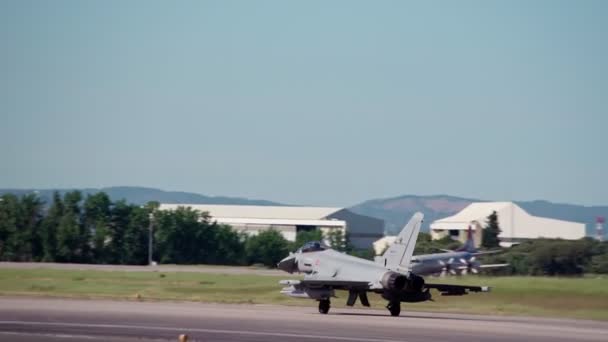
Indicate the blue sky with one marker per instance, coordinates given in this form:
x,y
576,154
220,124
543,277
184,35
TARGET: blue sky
x,y
308,102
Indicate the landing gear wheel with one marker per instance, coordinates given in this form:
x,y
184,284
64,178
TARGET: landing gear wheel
x,y
324,306
394,308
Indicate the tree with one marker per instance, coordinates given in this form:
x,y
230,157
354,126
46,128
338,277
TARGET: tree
x,y
72,238
561,257
175,234
489,238
184,236
49,226
425,245
96,221
550,257
9,208
230,247
599,264
134,247
337,240
68,239
188,236
29,218
268,248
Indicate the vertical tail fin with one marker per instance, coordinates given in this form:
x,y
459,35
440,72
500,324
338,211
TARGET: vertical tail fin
x,y
469,245
400,252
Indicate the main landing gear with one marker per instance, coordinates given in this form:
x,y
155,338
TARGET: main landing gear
x,y
394,307
324,306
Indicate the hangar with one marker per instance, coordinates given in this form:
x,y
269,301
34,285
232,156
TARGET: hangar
x,y
515,223
289,220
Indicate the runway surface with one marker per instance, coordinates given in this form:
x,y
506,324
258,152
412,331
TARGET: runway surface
x,y
33,319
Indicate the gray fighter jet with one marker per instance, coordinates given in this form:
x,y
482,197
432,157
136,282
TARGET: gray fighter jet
x,y
458,262
326,270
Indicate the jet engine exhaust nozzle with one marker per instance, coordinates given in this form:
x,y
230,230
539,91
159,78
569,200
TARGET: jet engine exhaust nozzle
x,y
393,281
415,283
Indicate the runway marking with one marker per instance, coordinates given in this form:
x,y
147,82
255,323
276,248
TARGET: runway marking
x,y
17,333
77,336
213,331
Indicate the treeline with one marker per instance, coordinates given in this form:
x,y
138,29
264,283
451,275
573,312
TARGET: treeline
x,y
96,230
534,257
552,257
73,229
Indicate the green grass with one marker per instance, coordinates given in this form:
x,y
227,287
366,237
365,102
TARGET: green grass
x,y
585,297
185,286
533,296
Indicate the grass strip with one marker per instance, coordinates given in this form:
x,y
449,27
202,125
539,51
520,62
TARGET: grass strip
x,y
585,297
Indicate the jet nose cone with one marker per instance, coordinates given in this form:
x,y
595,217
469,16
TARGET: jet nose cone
x,y
288,264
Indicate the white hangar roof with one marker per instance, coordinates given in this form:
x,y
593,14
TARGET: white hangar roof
x,y
478,211
514,222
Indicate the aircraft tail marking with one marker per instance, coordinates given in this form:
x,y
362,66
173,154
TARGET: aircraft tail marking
x,y
469,245
399,254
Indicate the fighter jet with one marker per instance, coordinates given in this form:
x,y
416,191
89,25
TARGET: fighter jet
x,y
458,262
326,270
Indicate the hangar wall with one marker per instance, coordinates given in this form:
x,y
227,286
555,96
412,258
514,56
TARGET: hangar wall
x,y
362,230
515,224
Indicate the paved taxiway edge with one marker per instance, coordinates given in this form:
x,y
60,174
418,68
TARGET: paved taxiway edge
x,y
215,322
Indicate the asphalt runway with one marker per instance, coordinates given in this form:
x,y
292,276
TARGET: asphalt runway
x,y
39,319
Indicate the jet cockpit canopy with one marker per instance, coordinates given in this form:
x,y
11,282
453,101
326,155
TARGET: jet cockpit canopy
x,y
313,246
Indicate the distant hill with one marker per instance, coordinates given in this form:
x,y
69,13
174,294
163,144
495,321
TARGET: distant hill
x,y
396,211
141,195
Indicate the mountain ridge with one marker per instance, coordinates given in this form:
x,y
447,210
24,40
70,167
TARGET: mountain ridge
x,y
142,195
395,211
